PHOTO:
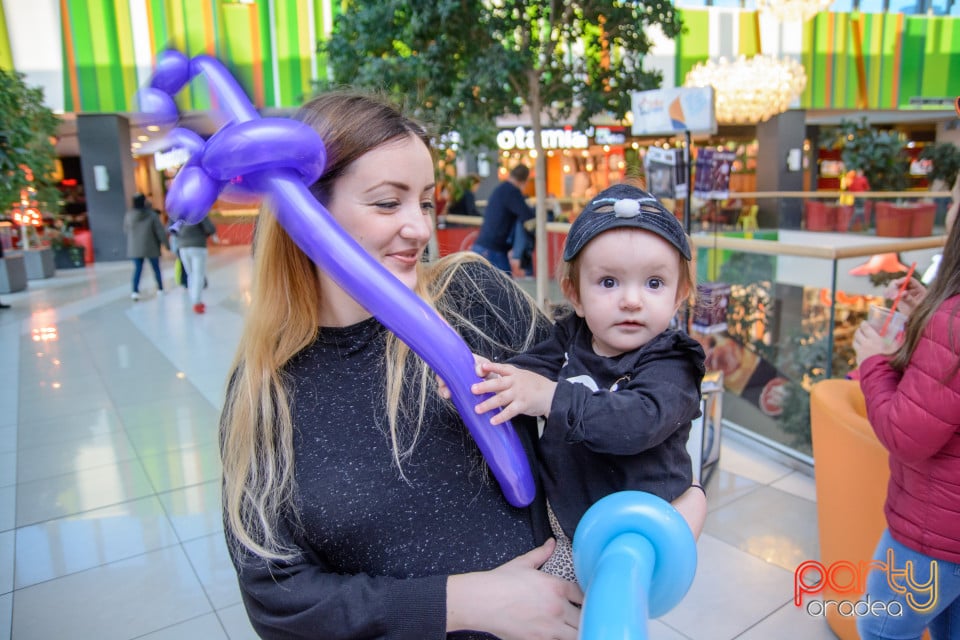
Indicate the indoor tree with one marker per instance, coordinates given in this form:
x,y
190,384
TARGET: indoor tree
x,y
945,160
878,153
466,63
27,156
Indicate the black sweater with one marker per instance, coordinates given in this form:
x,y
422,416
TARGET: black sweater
x,y
618,423
376,550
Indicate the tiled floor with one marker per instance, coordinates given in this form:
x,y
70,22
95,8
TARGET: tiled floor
x,y
109,504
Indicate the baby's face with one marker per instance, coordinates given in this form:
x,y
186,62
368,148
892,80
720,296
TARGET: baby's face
x,y
629,280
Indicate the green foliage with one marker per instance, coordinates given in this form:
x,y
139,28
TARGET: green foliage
x,y
26,127
879,154
462,64
945,157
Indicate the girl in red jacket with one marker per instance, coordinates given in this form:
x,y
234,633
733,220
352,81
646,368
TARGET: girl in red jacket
x,y
912,393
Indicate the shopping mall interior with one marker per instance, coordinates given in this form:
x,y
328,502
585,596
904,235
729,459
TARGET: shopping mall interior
x,y
110,473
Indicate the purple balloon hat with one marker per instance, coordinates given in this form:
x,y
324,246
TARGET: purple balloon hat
x,y
281,157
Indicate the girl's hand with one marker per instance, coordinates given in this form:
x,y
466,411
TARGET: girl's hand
x,y
515,601
515,392
911,297
868,342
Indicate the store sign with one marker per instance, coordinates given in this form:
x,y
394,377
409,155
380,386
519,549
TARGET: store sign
x,y
668,111
522,138
176,157
610,135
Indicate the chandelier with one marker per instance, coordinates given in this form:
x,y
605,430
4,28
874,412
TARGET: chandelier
x,y
793,10
750,90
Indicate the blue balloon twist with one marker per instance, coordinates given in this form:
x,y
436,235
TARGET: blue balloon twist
x,y
280,158
635,558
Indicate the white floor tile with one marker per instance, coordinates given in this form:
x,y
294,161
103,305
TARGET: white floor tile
x,y
206,627
194,511
82,491
71,456
732,591
210,560
6,561
8,507
799,484
789,622
6,615
79,425
8,438
60,547
744,460
183,467
117,601
236,622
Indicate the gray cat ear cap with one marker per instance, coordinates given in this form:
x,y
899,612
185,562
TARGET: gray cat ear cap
x,y
624,206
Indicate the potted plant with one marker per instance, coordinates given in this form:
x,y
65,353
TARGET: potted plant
x,y
945,162
880,155
67,254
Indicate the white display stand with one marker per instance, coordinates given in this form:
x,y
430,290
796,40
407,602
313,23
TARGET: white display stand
x,y
704,442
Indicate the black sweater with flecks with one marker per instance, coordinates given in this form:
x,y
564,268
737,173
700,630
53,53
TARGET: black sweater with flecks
x,y
375,550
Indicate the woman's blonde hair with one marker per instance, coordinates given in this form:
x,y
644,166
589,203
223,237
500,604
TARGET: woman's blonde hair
x,y
283,319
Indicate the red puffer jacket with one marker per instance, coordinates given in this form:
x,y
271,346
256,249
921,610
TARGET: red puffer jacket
x,y
916,416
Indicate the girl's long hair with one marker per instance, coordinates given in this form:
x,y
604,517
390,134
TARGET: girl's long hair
x,y
944,286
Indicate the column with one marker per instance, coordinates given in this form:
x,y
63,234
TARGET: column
x,y
108,183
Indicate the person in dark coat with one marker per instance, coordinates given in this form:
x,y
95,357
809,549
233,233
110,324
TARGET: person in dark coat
x,y
506,206
145,236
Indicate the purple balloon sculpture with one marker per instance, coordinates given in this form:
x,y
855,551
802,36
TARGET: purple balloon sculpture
x,y
280,158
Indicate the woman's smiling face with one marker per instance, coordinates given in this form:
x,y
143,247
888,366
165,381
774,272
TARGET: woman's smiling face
x,y
385,201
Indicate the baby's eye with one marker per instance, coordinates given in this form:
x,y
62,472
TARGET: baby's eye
x,y
608,283
654,283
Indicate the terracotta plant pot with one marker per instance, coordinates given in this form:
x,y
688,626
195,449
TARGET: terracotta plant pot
x,y
893,221
820,216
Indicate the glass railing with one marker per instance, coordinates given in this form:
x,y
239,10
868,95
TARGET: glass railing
x,y
779,306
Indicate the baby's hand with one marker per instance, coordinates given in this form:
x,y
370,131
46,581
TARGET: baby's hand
x,y
515,392
444,390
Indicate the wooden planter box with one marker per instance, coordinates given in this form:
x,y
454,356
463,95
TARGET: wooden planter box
x,y
39,264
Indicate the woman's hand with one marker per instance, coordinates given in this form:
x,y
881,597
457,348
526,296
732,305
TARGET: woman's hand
x,y
515,601
515,390
868,342
911,297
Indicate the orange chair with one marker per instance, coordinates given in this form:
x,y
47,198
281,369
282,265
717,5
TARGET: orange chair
x,y
851,474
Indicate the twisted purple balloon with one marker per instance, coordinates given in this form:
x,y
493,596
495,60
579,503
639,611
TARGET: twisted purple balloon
x,y
282,157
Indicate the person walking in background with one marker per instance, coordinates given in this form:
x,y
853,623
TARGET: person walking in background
x,y
505,207
617,386
912,393
191,242
145,236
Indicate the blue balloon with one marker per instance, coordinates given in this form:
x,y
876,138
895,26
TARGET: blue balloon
x,y
633,553
280,158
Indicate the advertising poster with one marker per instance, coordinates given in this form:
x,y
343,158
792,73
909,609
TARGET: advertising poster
x,y
712,181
